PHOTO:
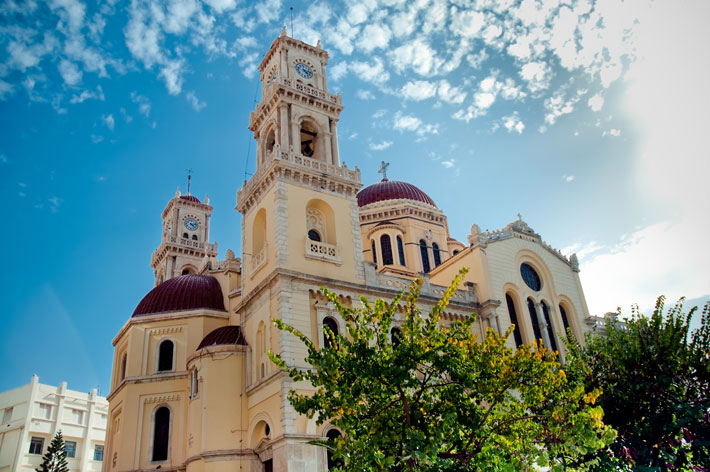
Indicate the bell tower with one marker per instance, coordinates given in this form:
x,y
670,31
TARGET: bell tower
x,y
299,208
185,238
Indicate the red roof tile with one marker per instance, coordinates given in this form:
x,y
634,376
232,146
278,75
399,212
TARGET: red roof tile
x,y
391,190
187,292
222,336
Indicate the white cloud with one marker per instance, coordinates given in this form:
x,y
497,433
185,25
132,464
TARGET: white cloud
x,y
449,163
338,71
109,121
88,95
171,73
364,94
412,123
6,90
418,56
513,123
54,203
560,104
370,72
375,36
419,90
615,132
466,23
223,5
195,102
596,102
69,72
380,146
567,178
268,11
537,75
450,94
143,103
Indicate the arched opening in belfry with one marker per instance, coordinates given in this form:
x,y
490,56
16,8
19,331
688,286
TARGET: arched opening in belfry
x,y
270,141
309,141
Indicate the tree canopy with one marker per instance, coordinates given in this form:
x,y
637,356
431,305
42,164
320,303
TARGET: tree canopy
x,y
437,398
55,460
655,374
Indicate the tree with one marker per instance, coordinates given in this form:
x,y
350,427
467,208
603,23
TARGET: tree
x,y
655,374
438,398
55,460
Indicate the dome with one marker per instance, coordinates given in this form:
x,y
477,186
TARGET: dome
x,y
222,336
190,198
391,190
187,292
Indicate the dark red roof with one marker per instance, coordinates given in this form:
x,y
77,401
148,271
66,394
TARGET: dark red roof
x,y
391,190
222,336
187,292
190,198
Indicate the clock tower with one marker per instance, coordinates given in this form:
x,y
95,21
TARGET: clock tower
x,y
185,239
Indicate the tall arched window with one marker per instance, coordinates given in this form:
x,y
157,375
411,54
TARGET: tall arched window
x,y
514,319
309,142
313,235
124,360
333,435
332,325
437,255
386,244
425,256
161,434
400,250
565,321
533,319
550,328
165,356
374,253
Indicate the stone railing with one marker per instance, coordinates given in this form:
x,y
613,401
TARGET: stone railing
x,y
258,260
303,88
192,243
299,160
323,251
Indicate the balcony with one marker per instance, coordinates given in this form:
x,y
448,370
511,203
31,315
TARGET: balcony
x,y
192,243
323,251
258,261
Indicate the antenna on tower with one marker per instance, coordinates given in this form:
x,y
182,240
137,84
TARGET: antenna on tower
x,y
292,22
189,177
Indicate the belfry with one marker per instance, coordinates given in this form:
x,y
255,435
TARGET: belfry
x,y
193,388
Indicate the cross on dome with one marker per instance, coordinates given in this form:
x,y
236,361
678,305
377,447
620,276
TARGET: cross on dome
x,y
383,169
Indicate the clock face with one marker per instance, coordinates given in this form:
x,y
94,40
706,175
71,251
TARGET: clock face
x,y
304,71
191,224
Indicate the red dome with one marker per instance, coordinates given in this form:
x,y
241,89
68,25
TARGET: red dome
x,y
391,190
190,198
187,292
222,336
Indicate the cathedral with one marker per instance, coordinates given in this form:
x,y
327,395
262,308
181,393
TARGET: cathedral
x,y
192,387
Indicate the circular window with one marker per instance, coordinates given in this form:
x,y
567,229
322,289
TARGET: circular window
x,y
530,277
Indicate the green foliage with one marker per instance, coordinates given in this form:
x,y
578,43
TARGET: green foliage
x,y
55,460
441,399
655,374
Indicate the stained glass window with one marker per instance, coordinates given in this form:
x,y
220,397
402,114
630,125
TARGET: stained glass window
x,y
437,255
400,249
533,319
425,256
386,243
514,319
530,277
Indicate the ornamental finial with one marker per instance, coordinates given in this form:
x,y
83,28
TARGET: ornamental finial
x,y
383,169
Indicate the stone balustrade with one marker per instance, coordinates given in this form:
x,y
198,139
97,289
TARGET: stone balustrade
x,y
258,260
323,251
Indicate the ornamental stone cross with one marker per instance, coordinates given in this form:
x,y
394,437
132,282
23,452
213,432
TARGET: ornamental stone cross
x,y
383,169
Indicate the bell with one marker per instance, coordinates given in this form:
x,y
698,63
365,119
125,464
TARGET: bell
x,y
307,150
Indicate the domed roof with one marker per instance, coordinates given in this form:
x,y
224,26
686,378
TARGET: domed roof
x,y
391,190
190,198
187,292
222,336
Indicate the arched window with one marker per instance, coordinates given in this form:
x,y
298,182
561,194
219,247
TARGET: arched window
x,y
425,256
374,253
550,328
124,360
313,235
386,244
309,143
186,272
161,434
514,319
165,356
565,321
194,237
333,435
329,338
400,250
437,255
185,236
261,349
396,336
533,319
456,251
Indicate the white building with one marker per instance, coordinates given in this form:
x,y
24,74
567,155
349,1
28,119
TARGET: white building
x,y
31,416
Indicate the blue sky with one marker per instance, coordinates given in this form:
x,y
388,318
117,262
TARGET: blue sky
x,y
588,118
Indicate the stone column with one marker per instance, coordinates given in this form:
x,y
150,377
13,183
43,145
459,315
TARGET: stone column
x,y
328,147
334,141
283,115
296,137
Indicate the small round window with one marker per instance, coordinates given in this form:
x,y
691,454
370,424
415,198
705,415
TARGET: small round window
x,y
530,277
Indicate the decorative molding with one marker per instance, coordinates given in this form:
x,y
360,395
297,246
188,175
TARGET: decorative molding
x,y
166,330
171,397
